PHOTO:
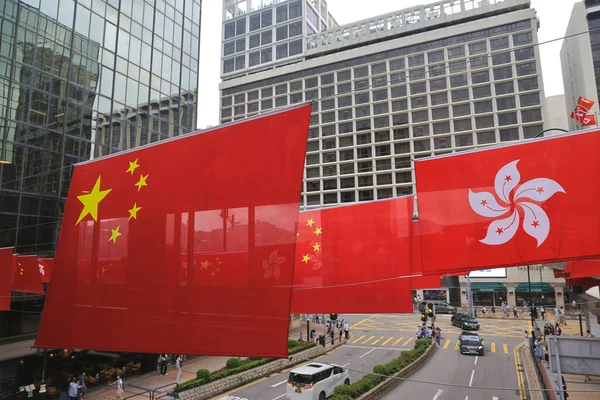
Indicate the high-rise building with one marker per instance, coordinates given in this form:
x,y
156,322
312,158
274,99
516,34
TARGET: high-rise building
x,y
580,56
428,80
80,79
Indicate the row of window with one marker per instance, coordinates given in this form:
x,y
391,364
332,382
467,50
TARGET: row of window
x,y
262,39
356,195
263,56
262,19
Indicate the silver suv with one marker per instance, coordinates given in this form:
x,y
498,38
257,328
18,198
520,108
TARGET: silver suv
x,y
441,307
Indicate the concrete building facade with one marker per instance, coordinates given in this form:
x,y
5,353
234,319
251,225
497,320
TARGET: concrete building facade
x,y
429,80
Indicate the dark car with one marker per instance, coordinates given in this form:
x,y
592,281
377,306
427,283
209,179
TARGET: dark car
x,y
464,321
471,343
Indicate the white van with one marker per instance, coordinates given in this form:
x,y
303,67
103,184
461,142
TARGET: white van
x,y
315,381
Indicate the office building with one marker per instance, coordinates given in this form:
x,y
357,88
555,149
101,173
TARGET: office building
x,y
80,79
428,80
580,56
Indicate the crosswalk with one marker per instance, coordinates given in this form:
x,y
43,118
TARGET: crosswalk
x,y
406,341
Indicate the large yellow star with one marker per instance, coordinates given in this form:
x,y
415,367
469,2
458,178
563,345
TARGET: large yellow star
x,y
133,211
305,259
204,264
132,166
142,182
91,200
115,234
310,222
316,246
319,231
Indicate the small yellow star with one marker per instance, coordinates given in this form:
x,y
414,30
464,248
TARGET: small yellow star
x,y
204,264
115,234
132,166
310,222
319,231
91,200
20,270
317,247
141,182
133,211
305,259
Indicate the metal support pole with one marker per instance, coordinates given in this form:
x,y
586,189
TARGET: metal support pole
x,y
580,325
561,392
530,296
469,296
308,338
44,366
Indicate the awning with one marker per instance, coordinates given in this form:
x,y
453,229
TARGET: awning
x,y
538,287
488,287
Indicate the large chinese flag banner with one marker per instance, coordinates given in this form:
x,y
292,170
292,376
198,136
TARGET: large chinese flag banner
x,y
183,246
6,277
350,259
531,202
27,278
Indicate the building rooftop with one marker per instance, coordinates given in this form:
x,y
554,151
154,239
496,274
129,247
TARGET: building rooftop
x,y
407,21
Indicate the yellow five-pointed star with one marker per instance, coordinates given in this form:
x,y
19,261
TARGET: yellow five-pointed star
x,y
132,166
204,264
305,259
310,222
115,234
319,231
142,182
316,246
91,200
133,211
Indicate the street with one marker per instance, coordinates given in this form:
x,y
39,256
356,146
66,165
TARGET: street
x,y
377,339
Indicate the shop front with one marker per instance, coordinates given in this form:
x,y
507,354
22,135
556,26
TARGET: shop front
x,y
488,293
538,293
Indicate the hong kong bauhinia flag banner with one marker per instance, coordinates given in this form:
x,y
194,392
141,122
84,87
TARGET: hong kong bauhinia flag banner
x,y
182,246
352,259
531,202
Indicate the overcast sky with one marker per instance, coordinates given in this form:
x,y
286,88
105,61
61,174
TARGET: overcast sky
x,y
553,14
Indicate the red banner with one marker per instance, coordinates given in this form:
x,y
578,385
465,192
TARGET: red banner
x,y
348,258
583,269
27,277
182,246
530,202
584,104
426,282
6,277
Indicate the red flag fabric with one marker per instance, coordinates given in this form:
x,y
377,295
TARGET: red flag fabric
x,y
6,277
426,282
27,277
348,259
584,269
586,283
45,265
583,119
584,104
531,202
183,246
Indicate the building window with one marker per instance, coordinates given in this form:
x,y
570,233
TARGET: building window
x,y
502,73
282,51
522,38
365,195
442,143
397,64
499,43
505,103
398,91
507,119
531,115
455,52
484,122
462,124
480,77
266,18
416,60
523,54
295,47
418,102
460,110
528,84
458,80
482,91
526,69
439,128
266,55
347,197
281,33
365,180
501,58
383,165
435,56
385,193
532,99
531,131
399,105
266,37
420,116
440,113
437,84
422,145
507,135
439,98
504,88
477,48
460,95
486,137
282,13
479,62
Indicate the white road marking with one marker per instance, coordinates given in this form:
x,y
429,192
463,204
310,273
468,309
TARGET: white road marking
x,y
345,365
368,352
471,381
467,398
438,394
378,348
278,397
494,398
476,357
280,383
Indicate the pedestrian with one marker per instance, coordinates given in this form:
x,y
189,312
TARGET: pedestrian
x,y
561,317
493,311
74,389
515,313
589,334
574,305
163,364
557,330
539,352
347,329
543,312
332,334
419,331
178,362
526,339
484,311
438,335
341,333
119,383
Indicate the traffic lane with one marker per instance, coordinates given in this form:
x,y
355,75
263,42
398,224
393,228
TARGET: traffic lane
x,y
449,375
360,360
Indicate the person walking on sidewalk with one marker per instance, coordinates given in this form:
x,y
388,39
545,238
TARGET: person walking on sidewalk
x,y
346,329
119,387
178,362
543,312
163,364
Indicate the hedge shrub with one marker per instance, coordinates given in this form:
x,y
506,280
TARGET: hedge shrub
x,y
292,343
204,376
381,373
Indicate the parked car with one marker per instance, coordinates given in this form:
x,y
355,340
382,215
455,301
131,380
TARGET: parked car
x,y
464,321
441,307
471,343
315,381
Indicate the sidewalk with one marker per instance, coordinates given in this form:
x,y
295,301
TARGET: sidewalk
x,y
300,332
152,380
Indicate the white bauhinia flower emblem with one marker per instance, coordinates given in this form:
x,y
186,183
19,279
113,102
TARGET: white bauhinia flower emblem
x,y
512,197
41,267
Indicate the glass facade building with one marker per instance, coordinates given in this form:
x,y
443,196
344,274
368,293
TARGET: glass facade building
x,y
81,79
400,87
